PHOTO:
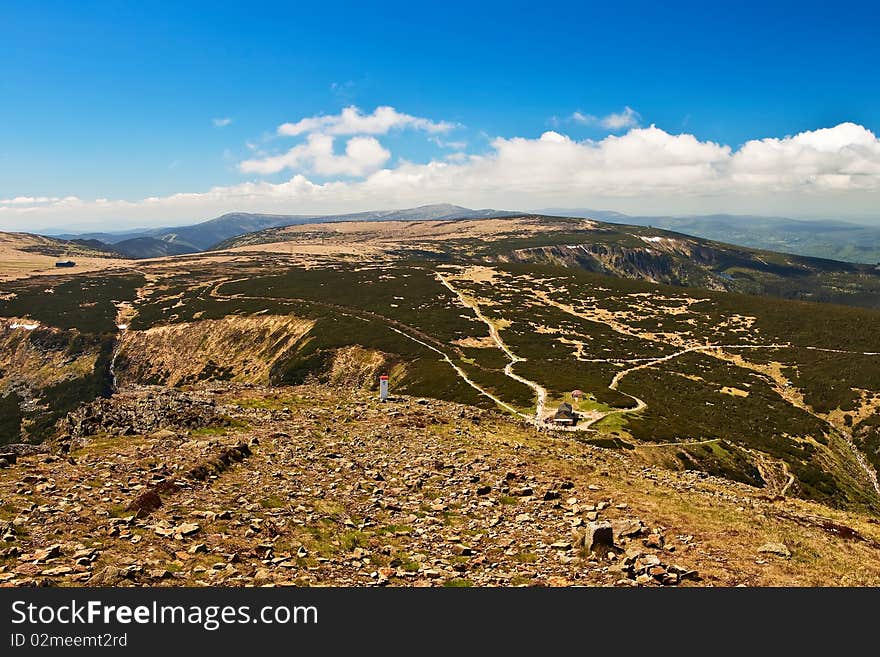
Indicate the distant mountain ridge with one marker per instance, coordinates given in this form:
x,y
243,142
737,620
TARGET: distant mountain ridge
x,y
831,239
203,236
149,247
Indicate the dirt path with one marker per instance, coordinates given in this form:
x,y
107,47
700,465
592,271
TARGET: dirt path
x,y
540,391
687,443
860,459
790,481
465,377
641,404
770,479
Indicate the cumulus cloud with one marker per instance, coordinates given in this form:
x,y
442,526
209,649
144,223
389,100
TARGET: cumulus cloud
x,y
845,157
647,170
221,122
362,155
363,152
351,121
626,118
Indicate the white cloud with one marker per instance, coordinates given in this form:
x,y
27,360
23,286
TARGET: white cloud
x,y
362,155
832,170
454,145
29,200
845,157
351,121
363,152
626,118
221,122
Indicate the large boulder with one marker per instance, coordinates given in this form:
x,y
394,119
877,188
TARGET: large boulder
x,y
597,538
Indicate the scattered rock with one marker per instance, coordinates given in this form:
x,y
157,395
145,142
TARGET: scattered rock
x,y
394,509
163,434
779,549
45,554
107,576
57,571
25,449
263,576
628,528
654,540
187,529
28,569
599,538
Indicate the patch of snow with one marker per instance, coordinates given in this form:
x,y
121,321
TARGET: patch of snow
x,y
26,327
122,327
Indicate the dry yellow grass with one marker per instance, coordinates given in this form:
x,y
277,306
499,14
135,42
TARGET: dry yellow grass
x,y
16,262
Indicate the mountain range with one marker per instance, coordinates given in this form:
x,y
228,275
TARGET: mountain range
x,y
177,240
831,239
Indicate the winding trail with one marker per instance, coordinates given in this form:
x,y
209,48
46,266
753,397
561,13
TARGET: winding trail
x,y
790,481
761,461
862,462
540,391
641,404
465,377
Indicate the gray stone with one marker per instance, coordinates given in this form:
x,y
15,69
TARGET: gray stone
x,y
108,576
628,528
779,549
599,538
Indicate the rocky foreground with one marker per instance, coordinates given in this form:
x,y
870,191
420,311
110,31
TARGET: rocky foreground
x,y
243,486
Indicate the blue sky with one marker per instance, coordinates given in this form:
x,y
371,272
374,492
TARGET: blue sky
x,y
118,100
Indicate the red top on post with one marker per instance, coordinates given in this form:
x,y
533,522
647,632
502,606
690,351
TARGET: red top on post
x,y
384,377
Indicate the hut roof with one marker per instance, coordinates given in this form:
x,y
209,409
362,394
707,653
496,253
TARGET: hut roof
x,y
565,411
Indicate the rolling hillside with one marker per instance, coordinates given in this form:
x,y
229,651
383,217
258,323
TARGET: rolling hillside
x,y
830,239
634,252
24,254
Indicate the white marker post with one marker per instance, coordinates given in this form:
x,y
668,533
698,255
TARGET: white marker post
x,y
383,388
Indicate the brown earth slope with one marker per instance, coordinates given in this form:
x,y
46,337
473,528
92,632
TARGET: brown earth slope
x,y
236,348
